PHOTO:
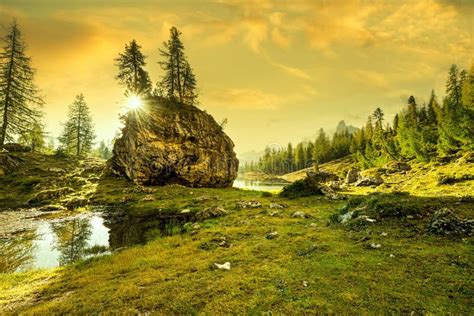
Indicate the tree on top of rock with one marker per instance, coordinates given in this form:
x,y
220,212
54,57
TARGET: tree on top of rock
x,y
78,135
132,74
20,104
178,82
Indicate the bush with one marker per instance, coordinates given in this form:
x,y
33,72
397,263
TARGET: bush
x,y
299,188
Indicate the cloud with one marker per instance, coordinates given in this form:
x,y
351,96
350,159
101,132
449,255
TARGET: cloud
x,y
242,98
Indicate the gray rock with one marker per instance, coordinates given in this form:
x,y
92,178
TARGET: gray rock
x,y
174,143
211,212
369,181
300,214
352,175
249,204
272,235
278,206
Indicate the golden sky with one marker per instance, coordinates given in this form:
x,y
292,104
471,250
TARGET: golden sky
x,y
277,69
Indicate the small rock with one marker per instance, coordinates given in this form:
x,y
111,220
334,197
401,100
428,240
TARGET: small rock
x,y
313,225
249,204
384,234
301,214
274,213
392,255
211,212
366,218
277,206
375,246
272,235
148,198
185,211
305,284
225,266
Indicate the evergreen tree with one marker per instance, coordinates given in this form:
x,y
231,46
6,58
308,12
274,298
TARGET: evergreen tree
x,y
20,104
178,82
322,148
132,74
290,158
450,131
104,151
78,134
300,159
34,137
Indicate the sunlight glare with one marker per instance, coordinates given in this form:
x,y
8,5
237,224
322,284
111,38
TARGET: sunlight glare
x,y
134,102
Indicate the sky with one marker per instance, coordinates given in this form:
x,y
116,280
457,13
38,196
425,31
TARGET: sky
x,y
277,70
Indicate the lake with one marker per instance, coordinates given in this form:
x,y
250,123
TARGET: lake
x,y
268,186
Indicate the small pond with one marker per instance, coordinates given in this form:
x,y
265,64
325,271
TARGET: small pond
x,y
51,242
268,186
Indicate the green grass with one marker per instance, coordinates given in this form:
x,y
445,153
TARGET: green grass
x,y
314,265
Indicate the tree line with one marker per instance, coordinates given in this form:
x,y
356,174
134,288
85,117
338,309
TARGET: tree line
x,y
423,132
21,103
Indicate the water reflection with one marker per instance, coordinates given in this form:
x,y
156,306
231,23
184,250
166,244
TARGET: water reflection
x,y
16,252
72,239
132,230
268,186
58,242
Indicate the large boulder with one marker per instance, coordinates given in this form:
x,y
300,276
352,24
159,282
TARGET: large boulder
x,y
171,143
352,175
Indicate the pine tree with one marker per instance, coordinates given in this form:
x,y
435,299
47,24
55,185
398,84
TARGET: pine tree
x,y
450,130
178,82
34,137
78,135
322,148
300,156
20,104
132,75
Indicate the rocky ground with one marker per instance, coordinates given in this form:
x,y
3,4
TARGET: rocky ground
x,y
402,246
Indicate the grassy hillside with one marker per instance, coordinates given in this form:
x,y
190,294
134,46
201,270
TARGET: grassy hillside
x,y
286,255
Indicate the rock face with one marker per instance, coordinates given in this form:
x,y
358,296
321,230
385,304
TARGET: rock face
x,y
166,143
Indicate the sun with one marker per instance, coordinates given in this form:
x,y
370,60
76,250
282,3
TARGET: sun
x,y
134,102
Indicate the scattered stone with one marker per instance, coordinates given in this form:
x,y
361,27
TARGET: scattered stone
x,y
174,143
225,266
272,235
249,204
445,222
301,214
375,246
305,284
274,213
392,255
148,198
185,211
366,218
369,181
313,225
211,212
330,193
352,175
15,147
278,206
384,234
344,218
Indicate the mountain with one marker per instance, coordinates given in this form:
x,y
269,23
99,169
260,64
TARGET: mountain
x,y
341,126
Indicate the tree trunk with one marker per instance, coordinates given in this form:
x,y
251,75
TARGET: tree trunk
x,y
3,131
